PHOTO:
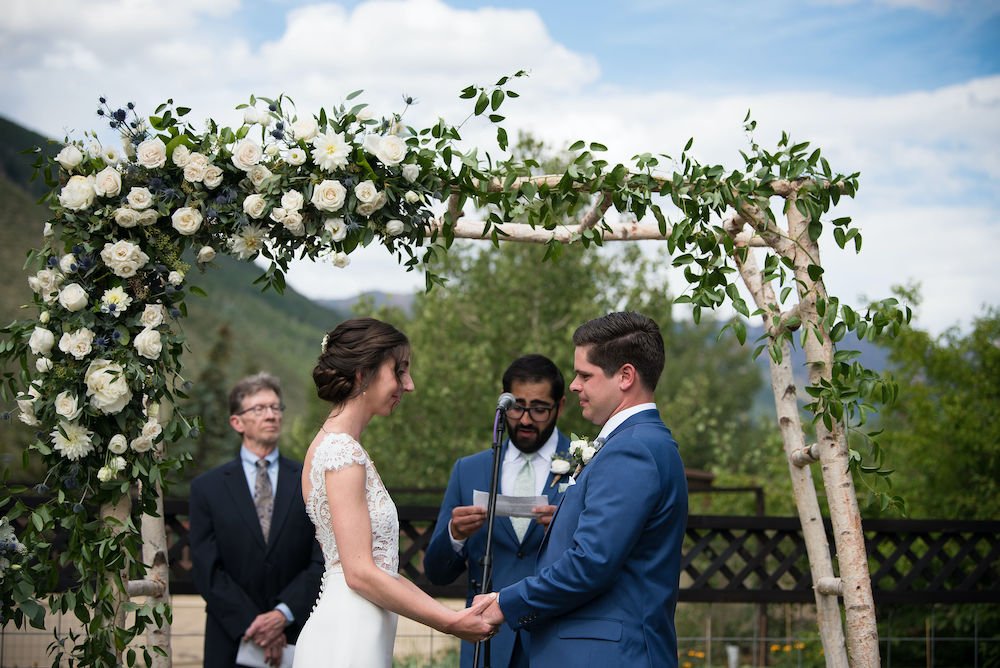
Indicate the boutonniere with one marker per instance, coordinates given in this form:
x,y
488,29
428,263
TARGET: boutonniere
x,y
581,450
560,467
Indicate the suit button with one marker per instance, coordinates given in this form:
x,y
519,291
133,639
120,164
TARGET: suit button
x,y
520,555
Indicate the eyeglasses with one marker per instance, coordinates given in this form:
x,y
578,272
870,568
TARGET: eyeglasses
x,y
259,410
537,413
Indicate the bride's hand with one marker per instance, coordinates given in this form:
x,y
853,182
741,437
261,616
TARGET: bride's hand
x,y
469,624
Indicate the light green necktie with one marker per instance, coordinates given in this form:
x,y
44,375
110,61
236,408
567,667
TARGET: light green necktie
x,y
524,485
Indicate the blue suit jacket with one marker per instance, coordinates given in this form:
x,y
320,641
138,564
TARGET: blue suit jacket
x,y
512,560
235,570
608,570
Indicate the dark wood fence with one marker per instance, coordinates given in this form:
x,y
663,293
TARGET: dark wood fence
x,y
746,559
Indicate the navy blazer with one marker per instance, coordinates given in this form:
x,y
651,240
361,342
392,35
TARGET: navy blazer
x,y
235,571
512,560
608,570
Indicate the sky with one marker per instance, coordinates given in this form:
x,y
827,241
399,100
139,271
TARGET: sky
x,y
906,92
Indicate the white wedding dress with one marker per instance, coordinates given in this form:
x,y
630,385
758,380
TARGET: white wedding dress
x,y
345,629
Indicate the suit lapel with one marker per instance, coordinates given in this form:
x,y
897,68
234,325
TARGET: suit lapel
x,y
287,488
552,491
236,484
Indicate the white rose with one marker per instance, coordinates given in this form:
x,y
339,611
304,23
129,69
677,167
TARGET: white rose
x,y
73,297
560,466
391,150
366,192
278,214
27,407
152,429
250,115
175,278
141,444
587,453
196,168
118,444
365,113
105,474
258,174
292,200
41,341
69,157
152,153
206,254
295,156
576,447
128,148
94,149
341,259
411,197
124,257
43,365
368,208
78,193
46,282
246,154
139,198
126,217
394,228
213,177
68,406
147,343
336,227
254,205
293,223
148,217
78,343
370,143
108,183
304,128
411,172
186,220
152,315
181,155
329,195
107,387
66,263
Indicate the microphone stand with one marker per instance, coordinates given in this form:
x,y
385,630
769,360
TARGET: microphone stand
x,y
499,429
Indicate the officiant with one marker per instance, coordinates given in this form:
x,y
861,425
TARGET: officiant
x,y
255,558
458,543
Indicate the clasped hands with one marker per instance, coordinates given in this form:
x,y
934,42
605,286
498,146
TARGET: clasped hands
x,y
268,631
480,621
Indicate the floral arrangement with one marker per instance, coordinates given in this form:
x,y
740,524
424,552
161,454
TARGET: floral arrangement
x,y
581,451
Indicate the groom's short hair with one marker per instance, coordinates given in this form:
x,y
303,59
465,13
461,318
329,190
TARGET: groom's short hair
x,y
623,338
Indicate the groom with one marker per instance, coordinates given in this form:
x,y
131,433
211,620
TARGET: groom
x,y
605,587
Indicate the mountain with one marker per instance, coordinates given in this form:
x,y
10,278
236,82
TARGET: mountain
x,y
403,301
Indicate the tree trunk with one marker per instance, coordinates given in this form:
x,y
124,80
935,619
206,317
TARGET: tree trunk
x,y
154,555
119,512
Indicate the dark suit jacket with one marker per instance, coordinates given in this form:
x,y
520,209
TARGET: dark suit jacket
x,y
239,575
512,561
608,569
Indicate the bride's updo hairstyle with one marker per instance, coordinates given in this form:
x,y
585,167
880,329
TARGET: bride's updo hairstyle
x,y
356,345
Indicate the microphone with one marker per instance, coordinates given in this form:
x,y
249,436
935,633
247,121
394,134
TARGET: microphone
x,y
506,401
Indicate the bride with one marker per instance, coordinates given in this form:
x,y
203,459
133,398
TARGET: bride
x,y
363,370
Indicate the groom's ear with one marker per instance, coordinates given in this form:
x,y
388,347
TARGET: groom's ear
x,y
628,377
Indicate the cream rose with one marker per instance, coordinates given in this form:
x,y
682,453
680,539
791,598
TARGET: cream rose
x,y
394,228
139,198
175,278
560,466
123,258
411,197
66,263
147,343
152,315
126,217
366,192
181,155
108,182
46,283
27,407
107,387
68,405
78,343
73,297
246,154
78,193
304,128
186,220
254,205
148,217
152,429
41,341
340,259
206,254
292,200
118,444
152,153
411,172
277,214
368,208
213,177
336,227
258,174
196,168
293,223
43,365
329,195
141,444
69,157
391,150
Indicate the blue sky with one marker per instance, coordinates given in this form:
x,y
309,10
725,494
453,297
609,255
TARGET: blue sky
x,y
905,91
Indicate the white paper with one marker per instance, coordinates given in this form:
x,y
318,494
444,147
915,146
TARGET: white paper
x,y
510,506
252,655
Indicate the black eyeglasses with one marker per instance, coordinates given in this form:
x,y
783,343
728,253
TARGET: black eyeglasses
x,y
259,410
537,413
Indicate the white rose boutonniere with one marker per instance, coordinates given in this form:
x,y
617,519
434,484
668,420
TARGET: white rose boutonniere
x,y
559,468
582,450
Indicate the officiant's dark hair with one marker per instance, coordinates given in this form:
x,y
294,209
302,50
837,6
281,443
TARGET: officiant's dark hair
x,y
535,369
356,345
625,337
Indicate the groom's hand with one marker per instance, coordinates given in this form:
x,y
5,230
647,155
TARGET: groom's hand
x,y
492,614
465,521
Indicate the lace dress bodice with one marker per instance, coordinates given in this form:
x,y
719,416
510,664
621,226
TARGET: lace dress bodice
x,y
335,452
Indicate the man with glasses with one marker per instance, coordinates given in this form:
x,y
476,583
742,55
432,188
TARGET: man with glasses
x,y
459,539
255,557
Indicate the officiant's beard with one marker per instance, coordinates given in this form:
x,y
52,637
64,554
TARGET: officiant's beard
x,y
534,443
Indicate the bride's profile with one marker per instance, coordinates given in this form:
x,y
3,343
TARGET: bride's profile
x,y
363,371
